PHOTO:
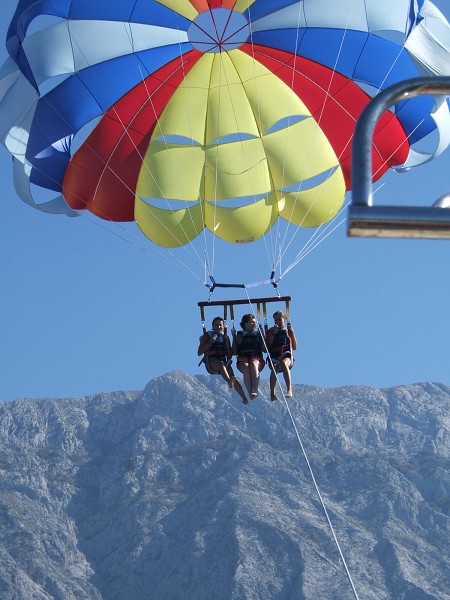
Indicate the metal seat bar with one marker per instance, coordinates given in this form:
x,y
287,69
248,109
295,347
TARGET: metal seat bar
x,y
366,220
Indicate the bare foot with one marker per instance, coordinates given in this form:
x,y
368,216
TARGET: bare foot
x,y
232,381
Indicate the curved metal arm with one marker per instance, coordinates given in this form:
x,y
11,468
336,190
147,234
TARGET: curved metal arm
x,y
395,221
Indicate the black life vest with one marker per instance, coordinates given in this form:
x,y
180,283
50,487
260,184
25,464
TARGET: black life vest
x,y
251,344
281,343
220,347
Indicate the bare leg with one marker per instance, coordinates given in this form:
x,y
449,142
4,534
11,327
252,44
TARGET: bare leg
x,y
273,384
254,377
227,374
240,391
244,368
218,365
287,376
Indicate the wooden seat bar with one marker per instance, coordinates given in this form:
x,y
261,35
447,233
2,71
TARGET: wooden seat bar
x,y
245,301
232,303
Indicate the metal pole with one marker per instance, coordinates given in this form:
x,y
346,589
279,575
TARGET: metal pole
x,y
366,220
362,140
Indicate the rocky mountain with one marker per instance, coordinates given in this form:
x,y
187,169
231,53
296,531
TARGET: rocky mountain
x,y
182,492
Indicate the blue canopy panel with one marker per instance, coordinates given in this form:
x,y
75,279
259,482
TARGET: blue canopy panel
x,y
138,11
362,57
149,12
79,99
263,8
414,14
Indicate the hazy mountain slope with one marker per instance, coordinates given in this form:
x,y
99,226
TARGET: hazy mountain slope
x,y
180,491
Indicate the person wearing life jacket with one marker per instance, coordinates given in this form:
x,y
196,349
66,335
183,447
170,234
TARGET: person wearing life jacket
x,y
216,347
281,342
248,345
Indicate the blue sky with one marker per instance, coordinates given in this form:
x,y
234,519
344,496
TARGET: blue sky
x,y
91,307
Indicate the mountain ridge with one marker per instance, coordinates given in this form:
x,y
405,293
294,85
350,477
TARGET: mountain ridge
x,y
180,491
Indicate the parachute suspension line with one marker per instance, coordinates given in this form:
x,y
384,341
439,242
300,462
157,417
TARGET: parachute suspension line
x,y
315,240
319,234
275,231
399,145
327,96
296,230
136,241
193,251
124,233
280,243
401,49
188,241
216,162
120,226
190,248
309,246
258,123
106,166
247,167
320,237
399,53
207,260
130,237
302,447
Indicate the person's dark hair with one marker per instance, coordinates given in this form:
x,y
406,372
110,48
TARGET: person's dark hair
x,y
216,319
246,319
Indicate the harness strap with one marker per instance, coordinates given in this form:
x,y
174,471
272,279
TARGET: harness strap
x,y
281,349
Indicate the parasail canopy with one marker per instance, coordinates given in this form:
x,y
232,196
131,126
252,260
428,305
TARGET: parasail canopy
x,y
224,115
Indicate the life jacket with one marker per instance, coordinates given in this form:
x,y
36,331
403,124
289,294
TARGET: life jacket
x,y
250,345
221,346
281,343
220,350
